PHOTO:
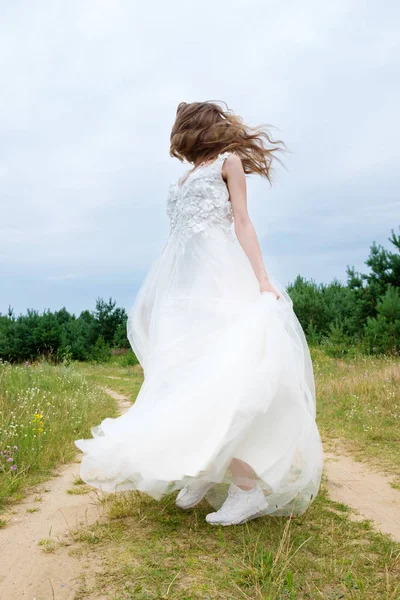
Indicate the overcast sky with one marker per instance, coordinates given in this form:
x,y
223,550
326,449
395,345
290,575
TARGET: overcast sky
x,y
88,94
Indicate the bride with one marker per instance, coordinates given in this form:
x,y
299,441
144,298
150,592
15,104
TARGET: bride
x,y
227,407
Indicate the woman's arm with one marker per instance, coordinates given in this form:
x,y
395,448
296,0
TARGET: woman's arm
x,y
235,178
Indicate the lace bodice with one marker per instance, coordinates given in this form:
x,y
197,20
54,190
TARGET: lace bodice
x,y
200,199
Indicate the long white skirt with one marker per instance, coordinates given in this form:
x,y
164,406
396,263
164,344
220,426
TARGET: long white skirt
x,y
228,375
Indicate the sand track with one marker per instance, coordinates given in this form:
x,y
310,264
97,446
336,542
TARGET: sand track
x,y
368,492
26,569
28,572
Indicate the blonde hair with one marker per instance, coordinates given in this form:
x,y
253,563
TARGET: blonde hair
x,y
202,130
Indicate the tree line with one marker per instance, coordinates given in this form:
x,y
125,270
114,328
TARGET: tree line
x,y
60,335
362,314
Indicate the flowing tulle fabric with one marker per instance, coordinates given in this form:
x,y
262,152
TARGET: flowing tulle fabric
x,y
227,375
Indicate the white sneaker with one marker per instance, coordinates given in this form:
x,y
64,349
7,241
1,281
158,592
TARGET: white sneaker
x,y
240,506
191,494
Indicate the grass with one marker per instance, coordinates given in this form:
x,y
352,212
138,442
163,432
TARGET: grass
x,y
79,487
123,379
50,545
78,491
152,550
43,409
358,403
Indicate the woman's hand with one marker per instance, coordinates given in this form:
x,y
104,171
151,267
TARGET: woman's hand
x,y
266,286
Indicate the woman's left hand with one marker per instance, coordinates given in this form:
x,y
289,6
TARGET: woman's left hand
x,y
266,286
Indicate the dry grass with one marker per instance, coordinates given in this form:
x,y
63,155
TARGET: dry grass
x,y
125,380
359,404
43,409
152,550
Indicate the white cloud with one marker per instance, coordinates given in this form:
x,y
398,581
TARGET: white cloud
x,y
63,277
89,95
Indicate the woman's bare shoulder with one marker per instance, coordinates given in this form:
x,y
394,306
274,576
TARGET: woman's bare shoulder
x,y
232,165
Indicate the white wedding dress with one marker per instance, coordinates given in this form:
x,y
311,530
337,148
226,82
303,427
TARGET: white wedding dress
x,y
227,369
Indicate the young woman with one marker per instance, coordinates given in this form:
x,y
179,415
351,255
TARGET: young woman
x,y
228,397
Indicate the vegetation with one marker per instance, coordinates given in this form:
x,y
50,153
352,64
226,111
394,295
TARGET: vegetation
x,y
43,409
365,312
153,550
60,336
358,404
358,401
362,314
150,550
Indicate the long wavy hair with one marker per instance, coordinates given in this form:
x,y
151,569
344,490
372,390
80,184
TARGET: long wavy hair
x,y
203,130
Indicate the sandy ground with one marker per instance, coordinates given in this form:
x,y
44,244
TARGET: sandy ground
x,y
369,492
28,572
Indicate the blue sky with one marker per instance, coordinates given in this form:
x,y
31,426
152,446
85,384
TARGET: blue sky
x,y
89,93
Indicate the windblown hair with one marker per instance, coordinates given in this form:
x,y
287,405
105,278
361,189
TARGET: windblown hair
x,y
203,130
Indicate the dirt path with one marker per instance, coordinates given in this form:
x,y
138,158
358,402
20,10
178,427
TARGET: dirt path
x,y
355,484
27,570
